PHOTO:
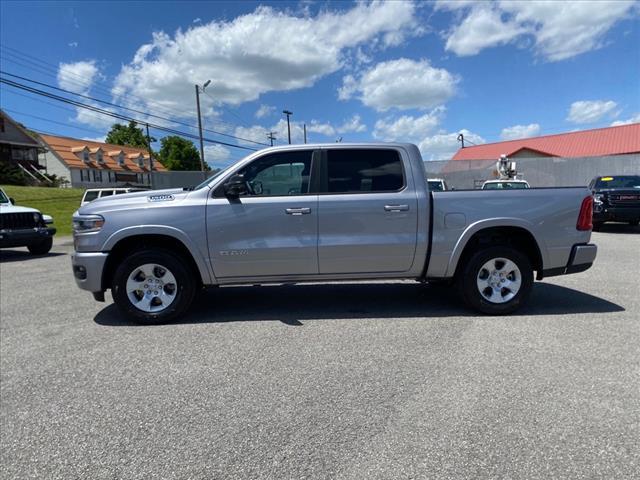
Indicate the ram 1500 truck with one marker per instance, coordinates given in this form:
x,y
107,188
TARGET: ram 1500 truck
x,y
313,213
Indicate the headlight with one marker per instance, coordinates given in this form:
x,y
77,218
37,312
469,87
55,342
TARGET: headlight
x,y
36,218
87,223
597,198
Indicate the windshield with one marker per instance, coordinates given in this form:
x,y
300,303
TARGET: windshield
x,y
3,197
435,186
208,180
504,185
626,181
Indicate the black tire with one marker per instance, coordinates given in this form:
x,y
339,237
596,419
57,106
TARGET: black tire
x,y
42,247
468,275
185,279
597,226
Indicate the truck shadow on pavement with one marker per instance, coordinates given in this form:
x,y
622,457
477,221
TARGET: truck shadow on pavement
x,y
7,256
291,304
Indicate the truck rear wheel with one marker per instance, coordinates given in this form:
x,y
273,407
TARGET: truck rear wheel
x,y
154,286
496,280
42,247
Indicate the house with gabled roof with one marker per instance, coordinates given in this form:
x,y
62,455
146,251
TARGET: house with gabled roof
x,y
18,146
90,164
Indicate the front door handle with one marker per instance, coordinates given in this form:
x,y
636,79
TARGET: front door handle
x,y
298,211
396,208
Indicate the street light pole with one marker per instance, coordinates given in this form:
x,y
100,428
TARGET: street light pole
x,y
287,113
200,122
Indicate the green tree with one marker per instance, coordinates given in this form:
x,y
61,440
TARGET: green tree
x,y
129,135
177,153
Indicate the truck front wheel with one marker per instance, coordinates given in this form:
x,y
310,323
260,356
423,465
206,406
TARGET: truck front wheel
x,y
153,286
496,280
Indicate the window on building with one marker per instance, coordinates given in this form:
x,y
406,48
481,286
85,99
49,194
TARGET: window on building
x,y
85,155
99,156
121,159
363,171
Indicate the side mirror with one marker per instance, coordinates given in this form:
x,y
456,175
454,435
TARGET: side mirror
x,y
235,186
12,201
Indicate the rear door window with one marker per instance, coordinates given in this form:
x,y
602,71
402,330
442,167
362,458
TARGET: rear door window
x,y
364,171
106,193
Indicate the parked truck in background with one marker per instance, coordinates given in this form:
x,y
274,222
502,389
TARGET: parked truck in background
x,y
616,199
327,212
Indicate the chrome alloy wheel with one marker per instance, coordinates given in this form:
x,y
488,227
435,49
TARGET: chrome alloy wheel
x,y
499,280
151,287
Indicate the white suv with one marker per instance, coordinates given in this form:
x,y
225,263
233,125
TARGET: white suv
x,y
24,227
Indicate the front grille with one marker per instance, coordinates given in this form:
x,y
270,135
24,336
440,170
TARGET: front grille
x,y
625,199
17,221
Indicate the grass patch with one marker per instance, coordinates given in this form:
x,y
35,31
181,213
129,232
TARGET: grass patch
x,y
60,203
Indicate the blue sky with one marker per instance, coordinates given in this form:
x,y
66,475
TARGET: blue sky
x,y
419,72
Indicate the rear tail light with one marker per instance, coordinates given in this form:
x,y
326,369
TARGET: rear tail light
x,y
585,217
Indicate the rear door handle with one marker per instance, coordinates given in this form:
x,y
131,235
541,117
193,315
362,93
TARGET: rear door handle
x,y
298,211
396,208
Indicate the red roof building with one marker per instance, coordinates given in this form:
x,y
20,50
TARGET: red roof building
x,y
621,140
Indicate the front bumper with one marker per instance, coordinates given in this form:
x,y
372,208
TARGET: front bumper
x,y
603,213
581,258
87,269
24,238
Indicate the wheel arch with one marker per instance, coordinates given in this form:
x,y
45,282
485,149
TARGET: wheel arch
x,y
515,233
122,245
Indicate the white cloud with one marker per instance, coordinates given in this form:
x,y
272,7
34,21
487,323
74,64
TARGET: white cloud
x,y
351,125
96,139
634,119
266,50
407,128
325,129
77,77
559,30
72,44
197,20
265,110
440,145
443,146
520,131
482,28
590,111
401,84
217,156
258,133
354,124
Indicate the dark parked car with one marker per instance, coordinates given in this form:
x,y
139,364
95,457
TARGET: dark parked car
x,y
616,199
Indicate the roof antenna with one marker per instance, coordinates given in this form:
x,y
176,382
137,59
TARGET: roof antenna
x,y
461,139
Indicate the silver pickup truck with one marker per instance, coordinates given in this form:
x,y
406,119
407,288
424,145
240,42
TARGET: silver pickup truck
x,y
313,213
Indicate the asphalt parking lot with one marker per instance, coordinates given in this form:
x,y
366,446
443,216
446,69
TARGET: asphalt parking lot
x,y
323,381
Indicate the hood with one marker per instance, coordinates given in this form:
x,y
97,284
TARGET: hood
x,y
134,199
8,208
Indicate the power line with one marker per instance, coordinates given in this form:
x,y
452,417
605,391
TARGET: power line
x,y
114,114
48,69
52,121
125,108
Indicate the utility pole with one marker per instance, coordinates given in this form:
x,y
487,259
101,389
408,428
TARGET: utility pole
x,y
149,147
288,113
304,125
200,122
271,136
